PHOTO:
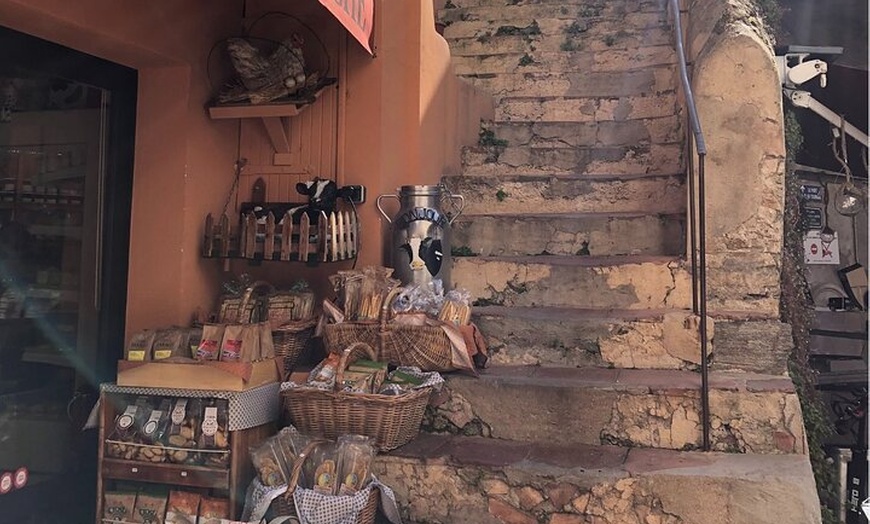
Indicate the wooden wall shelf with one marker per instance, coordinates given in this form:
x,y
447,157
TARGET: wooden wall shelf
x,y
274,117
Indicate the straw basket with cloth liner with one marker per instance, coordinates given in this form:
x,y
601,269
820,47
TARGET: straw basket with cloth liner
x,y
390,420
283,505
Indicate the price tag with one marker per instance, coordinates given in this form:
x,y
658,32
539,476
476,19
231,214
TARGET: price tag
x,y
6,483
20,479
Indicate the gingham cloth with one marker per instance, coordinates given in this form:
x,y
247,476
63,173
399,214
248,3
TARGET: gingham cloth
x,y
315,508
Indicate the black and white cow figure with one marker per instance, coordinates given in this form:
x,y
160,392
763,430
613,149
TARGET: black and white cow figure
x,y
323,195
424,252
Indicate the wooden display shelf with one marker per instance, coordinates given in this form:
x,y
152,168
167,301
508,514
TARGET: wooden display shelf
x,y
166,473
231,482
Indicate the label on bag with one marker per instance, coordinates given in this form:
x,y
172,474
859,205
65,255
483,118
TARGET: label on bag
x,y
151,425
209,422
179,411
160,354
136,355
126,420
232,350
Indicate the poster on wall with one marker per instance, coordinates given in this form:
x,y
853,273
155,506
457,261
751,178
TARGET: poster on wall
x,y
818,251
357,16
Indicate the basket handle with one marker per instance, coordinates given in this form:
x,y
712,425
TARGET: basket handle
x,y
345,356
248,296
296,472
386,307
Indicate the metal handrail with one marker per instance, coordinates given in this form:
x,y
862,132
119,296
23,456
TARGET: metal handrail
x,y
697,225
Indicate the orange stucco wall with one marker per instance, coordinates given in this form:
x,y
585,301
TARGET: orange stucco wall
x,y
397,124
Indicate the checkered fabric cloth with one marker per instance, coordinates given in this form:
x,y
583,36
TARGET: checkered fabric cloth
x,y
315,508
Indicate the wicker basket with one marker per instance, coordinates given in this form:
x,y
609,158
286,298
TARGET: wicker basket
x,y
426,347
291,338
391,420
283,505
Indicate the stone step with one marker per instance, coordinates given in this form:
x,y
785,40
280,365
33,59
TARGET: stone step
x,y
504,11
595,234
532,22
662,130
603,39
570,193
473,480
608,84
628,282
571,337
652,408
611,60
622,160
586,109
640,5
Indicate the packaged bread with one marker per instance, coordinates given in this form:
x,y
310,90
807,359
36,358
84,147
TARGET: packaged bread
x,y
269,461
355,456
320,469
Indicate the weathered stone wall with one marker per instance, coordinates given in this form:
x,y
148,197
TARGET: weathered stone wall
x,y
737,91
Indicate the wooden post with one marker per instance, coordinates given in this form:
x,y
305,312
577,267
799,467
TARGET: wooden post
x,y
250,235
342,241
286,236
354,232
332,237
304,228
269,240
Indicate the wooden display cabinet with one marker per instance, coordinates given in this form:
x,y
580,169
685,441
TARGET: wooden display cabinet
x,y
230,482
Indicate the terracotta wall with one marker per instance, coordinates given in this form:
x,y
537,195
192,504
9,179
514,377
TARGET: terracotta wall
x,y
183,164
393,119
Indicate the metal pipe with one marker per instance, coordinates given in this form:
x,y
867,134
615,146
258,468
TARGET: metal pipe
x,y
699,227
702,267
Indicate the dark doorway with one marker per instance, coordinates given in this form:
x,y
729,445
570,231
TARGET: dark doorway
x,y
67,124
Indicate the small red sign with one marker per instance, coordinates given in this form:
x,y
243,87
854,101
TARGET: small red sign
x,y
5,483
20,479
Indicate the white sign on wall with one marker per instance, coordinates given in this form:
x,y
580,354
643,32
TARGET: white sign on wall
x,y
817,251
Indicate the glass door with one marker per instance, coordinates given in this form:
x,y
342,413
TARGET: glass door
x,y
65,181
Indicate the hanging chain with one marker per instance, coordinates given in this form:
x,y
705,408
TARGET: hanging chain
x,y
238,166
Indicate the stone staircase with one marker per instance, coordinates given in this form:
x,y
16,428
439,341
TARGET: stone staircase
x,y
573,248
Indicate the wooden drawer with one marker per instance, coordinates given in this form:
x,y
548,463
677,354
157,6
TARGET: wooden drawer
x,y
173,474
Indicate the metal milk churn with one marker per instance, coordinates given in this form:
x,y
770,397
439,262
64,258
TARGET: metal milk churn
x,y
420,249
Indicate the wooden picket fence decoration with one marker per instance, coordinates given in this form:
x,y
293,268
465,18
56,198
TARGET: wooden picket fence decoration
x,y
333,238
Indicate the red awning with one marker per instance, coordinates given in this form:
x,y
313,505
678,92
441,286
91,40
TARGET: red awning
x,y
357,16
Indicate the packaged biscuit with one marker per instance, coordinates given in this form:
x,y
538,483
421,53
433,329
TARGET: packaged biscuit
x,y
140,345
118,506
182,508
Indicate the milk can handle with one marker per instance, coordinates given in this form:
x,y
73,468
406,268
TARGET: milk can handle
x,y
461,207
378,202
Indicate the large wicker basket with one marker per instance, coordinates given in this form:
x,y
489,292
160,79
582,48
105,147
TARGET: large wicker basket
x,y
391,420
426,347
